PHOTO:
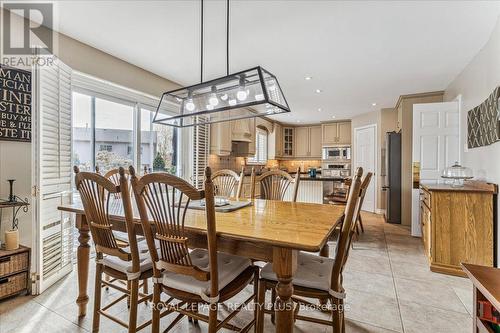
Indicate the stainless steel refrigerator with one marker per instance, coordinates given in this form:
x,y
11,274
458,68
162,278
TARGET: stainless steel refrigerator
x,y
392,183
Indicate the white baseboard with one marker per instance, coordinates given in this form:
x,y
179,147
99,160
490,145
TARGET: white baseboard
x,y
380,211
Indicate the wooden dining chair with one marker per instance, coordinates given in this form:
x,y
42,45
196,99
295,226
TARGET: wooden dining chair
x,y
130,264
192,277
317,277
325,251
274,184
226,182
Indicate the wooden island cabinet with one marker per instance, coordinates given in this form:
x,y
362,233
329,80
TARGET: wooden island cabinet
x,y
458,225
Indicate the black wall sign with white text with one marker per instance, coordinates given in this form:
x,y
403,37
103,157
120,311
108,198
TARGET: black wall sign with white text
x,y
15,105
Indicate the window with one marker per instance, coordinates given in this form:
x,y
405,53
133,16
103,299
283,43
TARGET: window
x,y
107,148
158,144
260,147
82,132
110,132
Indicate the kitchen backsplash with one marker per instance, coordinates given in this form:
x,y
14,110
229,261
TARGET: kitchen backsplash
x,y
292,165
235,163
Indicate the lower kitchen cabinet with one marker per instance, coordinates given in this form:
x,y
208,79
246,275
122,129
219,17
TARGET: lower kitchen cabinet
x,y
458,225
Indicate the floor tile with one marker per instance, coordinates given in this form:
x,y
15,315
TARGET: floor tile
x,y
426,293
373,309
418,318
369,282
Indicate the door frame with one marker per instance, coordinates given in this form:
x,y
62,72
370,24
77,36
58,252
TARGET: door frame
x,y
375,158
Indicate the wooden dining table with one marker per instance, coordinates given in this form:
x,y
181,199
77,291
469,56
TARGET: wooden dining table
x,y
267,230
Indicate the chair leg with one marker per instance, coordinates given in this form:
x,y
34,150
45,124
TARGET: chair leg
x,y
273,301
338,315
145,286
97,298
134,297
357,229
128,297
259,289
155,325
212,318
361,223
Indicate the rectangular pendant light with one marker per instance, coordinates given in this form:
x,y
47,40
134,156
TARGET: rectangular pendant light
x,y
251,93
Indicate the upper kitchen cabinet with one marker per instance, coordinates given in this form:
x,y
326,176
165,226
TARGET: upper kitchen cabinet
x,y
275,142
308,142
288,141
338,133
315,141
220,139
302,142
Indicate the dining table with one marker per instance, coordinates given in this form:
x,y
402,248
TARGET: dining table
x,y
266,230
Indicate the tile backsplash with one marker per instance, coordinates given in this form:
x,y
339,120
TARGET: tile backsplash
x,y
236,163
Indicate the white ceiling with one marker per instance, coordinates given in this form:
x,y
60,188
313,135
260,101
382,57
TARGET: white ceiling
x,y
357,53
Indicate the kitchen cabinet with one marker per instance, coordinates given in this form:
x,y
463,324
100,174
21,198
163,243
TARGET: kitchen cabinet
x,y
288,141
458,225
315,142
338,133
275,142
344,133
220,139
302,142
308,141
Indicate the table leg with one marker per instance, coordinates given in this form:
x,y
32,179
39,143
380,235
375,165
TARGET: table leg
x,y
284,265
82,257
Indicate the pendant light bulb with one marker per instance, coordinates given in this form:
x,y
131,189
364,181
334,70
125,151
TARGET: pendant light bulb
x,y
190,104
213,100
242,93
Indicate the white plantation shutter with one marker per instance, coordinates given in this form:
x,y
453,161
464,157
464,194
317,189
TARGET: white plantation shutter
x,y
260,148
200,154
52,176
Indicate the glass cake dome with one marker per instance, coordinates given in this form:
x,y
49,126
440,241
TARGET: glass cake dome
x,y
458,173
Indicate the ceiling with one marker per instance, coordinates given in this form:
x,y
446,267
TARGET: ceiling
x,y
357,53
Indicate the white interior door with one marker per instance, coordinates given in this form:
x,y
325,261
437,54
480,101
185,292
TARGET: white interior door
x,y
52,173
436,144
365,156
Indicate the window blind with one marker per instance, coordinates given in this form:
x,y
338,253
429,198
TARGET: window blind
x,y
260,156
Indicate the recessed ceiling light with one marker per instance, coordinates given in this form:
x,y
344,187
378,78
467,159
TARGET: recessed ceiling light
x,y
319,109
333,117
318,90
307,78
374,104
298,121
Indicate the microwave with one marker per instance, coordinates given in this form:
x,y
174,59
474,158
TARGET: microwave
x,y
336,153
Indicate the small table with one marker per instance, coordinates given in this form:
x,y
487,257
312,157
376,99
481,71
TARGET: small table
x,y
486,282
271,231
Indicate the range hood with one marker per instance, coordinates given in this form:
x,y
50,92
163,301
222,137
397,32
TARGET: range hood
x,y
240,131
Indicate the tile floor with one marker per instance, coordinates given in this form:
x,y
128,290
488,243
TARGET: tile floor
x,y
389,289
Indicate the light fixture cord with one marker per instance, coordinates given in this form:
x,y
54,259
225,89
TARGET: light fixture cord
x,y
201,47
227,37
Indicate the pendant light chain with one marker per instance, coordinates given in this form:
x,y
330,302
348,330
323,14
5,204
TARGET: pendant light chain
x,y
201,46
227,37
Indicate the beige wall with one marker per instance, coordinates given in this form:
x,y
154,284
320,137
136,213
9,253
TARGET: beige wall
x,y
475,83
405,121
15,157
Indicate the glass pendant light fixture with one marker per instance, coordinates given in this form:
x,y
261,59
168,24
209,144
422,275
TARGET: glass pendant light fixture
x,y
254,92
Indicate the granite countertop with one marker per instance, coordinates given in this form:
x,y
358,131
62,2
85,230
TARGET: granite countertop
x,y
321,178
